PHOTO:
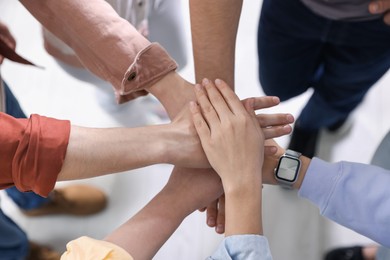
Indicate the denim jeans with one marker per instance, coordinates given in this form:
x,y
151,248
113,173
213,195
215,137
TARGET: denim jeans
x,y
340,60
13,241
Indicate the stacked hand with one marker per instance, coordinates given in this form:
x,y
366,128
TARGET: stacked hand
x,y
186,149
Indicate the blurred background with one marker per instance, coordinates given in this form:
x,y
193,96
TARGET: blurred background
x,y
293,226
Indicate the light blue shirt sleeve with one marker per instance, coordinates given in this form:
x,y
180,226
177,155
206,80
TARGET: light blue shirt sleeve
x,y
245,247
354,195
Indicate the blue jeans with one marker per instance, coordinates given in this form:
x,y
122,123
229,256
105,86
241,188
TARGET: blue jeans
x,y
13,241
340,60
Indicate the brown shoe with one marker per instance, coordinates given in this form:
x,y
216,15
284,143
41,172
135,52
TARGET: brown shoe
x,y
79,200
40,252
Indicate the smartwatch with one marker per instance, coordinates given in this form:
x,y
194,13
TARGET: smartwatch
x,y
286,173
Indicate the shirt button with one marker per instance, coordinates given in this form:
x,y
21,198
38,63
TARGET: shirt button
x,y
132,76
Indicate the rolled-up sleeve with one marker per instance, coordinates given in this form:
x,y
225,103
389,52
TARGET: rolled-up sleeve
x,y
106,44
32,152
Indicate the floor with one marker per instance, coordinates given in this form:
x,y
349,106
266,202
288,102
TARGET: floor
x,y
293,226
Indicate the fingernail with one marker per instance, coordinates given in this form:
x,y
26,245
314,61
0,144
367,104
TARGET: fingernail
x,y
218,82
211,222
288,128
276,99
198,87
290,118
205,81
220,229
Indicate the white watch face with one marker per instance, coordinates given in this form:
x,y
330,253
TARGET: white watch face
x,y
288,169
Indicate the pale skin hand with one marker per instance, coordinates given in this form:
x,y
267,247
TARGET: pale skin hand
x,y
234,145
381,7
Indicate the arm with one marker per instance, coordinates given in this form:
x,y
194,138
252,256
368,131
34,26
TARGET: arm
x,y
106,44
214,27
76,152
351,194
144,234
234,145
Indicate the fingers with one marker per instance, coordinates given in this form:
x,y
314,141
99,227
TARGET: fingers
x,y
379,7
220,228
263,102
216,215
216,99
212,212
208,111
386,18
270,150
200,124
267,120
230,97
276,131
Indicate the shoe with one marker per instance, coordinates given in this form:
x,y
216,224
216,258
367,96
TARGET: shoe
x,y
304,141
40,252
345,253
78,200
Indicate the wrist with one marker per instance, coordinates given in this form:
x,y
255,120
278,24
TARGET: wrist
x,y
243,211
305,162
173,91
242,186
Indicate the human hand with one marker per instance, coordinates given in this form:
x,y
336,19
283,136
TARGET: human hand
x,y
215,211
196,188
381,7
185,150
229,132
7,37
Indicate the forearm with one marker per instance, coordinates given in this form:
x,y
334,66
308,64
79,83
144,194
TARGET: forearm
x,y
174,92
144,234
186,191
94,152
214,28
243,210
354,195
106,44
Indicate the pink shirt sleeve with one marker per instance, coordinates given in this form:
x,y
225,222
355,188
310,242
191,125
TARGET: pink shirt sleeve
x,y
106,44
32,152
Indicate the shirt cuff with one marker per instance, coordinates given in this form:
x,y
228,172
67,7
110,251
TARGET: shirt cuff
x,y
319,182
150,65
243,247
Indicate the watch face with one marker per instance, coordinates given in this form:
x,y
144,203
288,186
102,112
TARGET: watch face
x,y
288,169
